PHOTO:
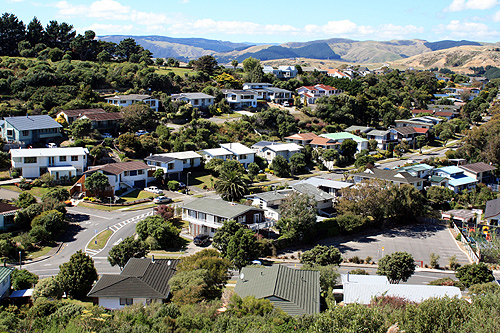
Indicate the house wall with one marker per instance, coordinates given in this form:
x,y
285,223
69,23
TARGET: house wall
x,y
32,170
5,286
191,163
493,220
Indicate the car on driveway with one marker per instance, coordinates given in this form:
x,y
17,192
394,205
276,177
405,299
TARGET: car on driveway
x,y
182,185
106,135
153,189
201,240
141,132
162,199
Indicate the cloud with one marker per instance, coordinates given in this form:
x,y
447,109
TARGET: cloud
x,y
459,5
66,9
109,10
469,30
346,28
209,26
496,17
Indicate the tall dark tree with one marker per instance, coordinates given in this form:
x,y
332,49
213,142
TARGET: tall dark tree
x,y
59,35
129,248
206,64
85,46
77,275
128,47
35,33
12,31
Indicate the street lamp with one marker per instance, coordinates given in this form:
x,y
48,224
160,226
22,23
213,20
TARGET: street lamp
x,y
110,203
20,262
187,181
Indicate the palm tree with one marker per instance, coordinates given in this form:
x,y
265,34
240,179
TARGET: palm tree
x,y
231,185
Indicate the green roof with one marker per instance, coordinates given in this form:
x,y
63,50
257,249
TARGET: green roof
x,y
342,136
436,179
4,272
296,292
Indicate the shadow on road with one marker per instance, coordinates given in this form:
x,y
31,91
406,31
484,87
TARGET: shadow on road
x,y
77,217
69,235
416,231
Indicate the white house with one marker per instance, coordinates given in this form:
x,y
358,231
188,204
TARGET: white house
x,y
220,153
458,180
125,175
269,152
241,153
126,100
256,85
7,213
142,281
269,202
58,162
393,176
190,159
172,167
342,136
310,94
197,100
240,98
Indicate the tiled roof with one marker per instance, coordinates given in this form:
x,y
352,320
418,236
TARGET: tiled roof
x,y
405,130
324,141
325,87
415,111
492,208
118,168
140,278
298,290
478,167
5,207
104,116
30,123
219,207
302,136
81,112
421,130
443,114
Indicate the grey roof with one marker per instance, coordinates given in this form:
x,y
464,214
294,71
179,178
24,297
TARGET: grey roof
x,y
264,144
465,214
159,158
196,95
30,123
312,190
478,167
389,175
405,130
436,179
270,196
130,97
118,168
276,90
318,181
377,132
363,293
218,207
298,290
492,208
355,128
363,279
141,277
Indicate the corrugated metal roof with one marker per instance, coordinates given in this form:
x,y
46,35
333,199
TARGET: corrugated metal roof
x,y
118,168
355,128
237,148
5,272
389,175
219,207
461,180
159,158
478,167
5,208
492,208
30,123
182,155
317,181
363,279
196,95
343,136
297,291
313,191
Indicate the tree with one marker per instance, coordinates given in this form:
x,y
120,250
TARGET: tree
x,y
77,275
158,233
242,248
51,220
23,279
129,248
206,64
231,185
35,33
253,170
234,63
59,194
80,128
439,194
128,47
322,255
446,135
397,267
364,160
297,163
96,182
249,306
280,166
348,148
474,274
421,141
372,144
188,287
12,31
25,200
297,215
159,62
249,64
49,288
223,235
159,175
328,277
406,203
138,116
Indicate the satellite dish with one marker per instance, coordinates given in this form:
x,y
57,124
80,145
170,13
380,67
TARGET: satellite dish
x,y
169,263
242,276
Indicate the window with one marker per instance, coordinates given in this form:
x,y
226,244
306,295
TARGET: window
x,y
140,172
74,158
153,103
170,166
133,173
10,132
126,301
202,216
30,160
256,218
62,158
243,157
195,102
26,133
242,219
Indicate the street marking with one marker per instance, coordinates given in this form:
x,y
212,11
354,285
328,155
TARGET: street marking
x,y
118,242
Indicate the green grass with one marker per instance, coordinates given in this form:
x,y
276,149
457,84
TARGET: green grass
x,y
37,254
11,188
99,207
229,115
199,179
137,195
101,238
36,191
176,70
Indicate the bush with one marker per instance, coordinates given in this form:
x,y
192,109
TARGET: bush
x,y
261,177
322,255
359,271
24,186
173,185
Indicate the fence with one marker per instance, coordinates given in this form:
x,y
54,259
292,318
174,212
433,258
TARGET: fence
x,y
472,254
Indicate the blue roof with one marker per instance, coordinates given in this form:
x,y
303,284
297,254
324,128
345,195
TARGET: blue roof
x,y
461,180
30,123
451,170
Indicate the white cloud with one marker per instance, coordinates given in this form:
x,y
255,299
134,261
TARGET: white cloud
x,y
109,10
469,30
496,17
459,5
346,28
66,9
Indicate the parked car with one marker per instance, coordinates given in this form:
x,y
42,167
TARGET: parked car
x,y
153,189
201,240
106,135
141,132
285,103
51,145
162,200
182,185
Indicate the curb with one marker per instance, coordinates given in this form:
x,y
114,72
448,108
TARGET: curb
x,y
42,258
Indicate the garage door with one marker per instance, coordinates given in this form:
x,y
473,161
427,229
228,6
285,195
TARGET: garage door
x,y
140,183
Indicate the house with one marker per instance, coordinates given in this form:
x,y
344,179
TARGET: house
x,y
172,167
278,149
330,186
492,211
72,115
5,273
325,143
383,138
206,215
301,138
231,151
256,85
341,136
278,95
324,201
269,202
240,98
126,100
219,153
100,120
458,181
418,170
125,175
407,134
287,72
358,129
295,291
310,94
190,159
417,112
30,129
393,176
437,181
142,281
197,100
7,213
271,70
61,163
334,72
362,289
463,215
480,171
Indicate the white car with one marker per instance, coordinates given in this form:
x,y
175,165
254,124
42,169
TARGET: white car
x,y
153,189
162,199
51,145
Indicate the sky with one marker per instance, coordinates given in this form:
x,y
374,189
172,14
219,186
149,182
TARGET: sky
x,y
268,21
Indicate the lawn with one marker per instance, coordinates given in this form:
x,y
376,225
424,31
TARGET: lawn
x,y
137,195
99,207
36,254
99,241
199,179
176,70
35,191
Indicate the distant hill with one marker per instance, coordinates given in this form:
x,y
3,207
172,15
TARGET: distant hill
x,y
337,49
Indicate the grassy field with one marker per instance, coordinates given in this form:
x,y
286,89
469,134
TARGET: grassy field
x,y
137,195
176,70
101,238
36,191
99,207
36,254
199,179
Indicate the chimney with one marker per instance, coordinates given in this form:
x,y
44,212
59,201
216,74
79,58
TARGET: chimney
x,y
152,258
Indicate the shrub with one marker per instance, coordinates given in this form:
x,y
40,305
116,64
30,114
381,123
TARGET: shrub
x,y
359,271
434,260
261,177
24,186
173,185
356,260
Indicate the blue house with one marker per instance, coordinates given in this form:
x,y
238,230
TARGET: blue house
x,y
30,129
458,180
